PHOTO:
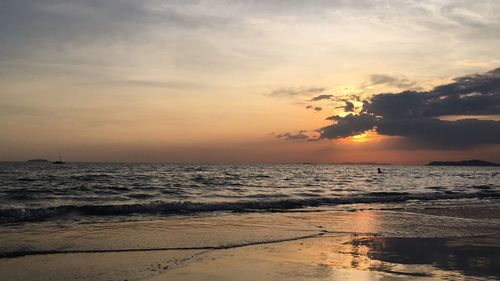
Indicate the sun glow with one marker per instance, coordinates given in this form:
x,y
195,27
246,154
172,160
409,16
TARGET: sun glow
x,y
364,137
359,138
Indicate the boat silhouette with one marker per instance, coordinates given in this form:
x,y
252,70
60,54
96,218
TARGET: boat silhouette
x,y
58,161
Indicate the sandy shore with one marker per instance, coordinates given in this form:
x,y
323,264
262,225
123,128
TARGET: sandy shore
x,y
350,258
454,242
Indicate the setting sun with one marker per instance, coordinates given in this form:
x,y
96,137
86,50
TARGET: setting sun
x,y
360,138
364,137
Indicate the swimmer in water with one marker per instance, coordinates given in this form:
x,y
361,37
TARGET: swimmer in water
x,y
379,171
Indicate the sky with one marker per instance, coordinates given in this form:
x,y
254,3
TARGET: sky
x,y
403,82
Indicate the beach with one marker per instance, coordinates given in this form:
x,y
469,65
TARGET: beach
x,y
370,243
254,222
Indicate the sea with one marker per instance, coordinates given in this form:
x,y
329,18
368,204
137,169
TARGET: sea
x,y
33,192
122,221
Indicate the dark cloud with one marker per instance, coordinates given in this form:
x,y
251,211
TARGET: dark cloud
x,y
439,134
315,108
349,125
377,79
321,97
289,136
469,95
349,106
356,98
415,115
292,92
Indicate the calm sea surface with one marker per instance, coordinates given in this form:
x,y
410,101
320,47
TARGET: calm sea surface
x,y
32,192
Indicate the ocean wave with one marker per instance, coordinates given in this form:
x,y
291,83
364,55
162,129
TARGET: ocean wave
x,y
9,215
90,177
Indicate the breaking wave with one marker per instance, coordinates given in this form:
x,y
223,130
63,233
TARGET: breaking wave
x,y
9,215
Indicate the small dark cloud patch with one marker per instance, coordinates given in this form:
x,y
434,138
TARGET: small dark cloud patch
x,y
289,136
321,97
315,108
351,98
377,79
415,115
349,106
356,98
293,92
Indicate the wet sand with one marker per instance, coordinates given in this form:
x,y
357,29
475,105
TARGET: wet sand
x,y
442,242
350,258
93,266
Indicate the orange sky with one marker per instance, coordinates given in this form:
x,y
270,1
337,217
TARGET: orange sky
x,y
218,81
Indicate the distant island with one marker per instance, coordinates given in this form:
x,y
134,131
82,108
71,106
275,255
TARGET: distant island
x,y
42,161
462,163
38,161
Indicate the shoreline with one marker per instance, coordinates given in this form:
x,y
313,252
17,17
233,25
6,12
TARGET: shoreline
x,y
354,257
363,244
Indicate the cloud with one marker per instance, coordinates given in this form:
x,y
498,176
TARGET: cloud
x,y
349,125
415,115
55,23
289,136
315,108
295,91
377,79
468,95
439,134
321,97
349,106
149,83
